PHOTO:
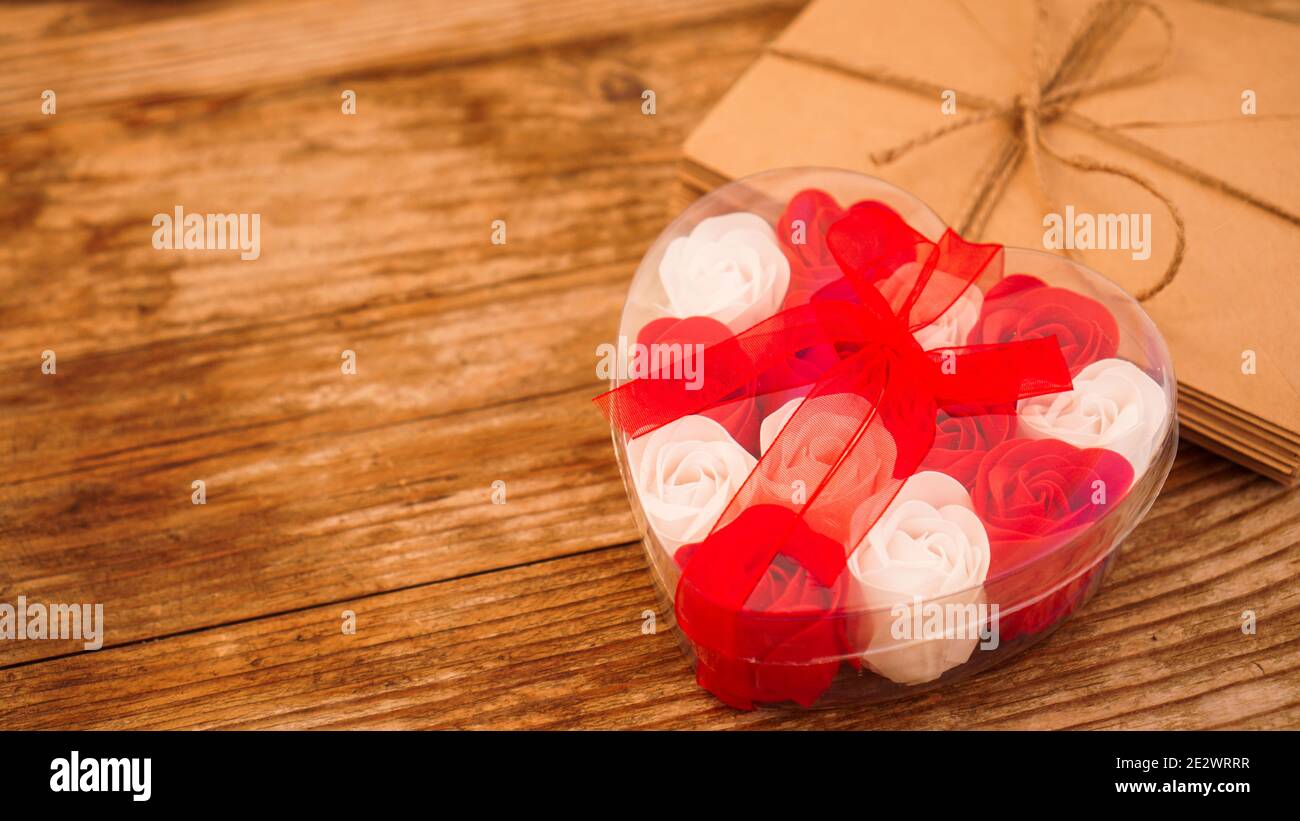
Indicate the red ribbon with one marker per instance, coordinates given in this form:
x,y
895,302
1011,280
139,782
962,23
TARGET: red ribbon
x,y
871,418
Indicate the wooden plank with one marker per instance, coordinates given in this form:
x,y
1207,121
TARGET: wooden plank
x,y
312,518
475,361
387,206
559,644
224,48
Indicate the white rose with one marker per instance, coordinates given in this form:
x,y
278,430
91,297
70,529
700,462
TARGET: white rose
x,y
730,268
929,544
685,473
1114,405
954,325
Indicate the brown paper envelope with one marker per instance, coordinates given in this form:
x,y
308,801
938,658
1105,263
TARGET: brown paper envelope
x,y
1237,289
786,114
1192,109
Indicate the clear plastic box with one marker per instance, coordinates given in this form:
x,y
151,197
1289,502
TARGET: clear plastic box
x,y
915,607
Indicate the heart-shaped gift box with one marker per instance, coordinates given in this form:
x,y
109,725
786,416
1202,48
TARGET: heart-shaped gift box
x,y
866,456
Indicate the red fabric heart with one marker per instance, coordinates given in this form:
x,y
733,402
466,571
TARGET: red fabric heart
x,y
1024,307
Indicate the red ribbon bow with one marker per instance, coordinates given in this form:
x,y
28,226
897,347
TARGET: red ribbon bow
x,y
761,596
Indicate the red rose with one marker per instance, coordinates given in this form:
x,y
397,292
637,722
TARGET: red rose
x,y
964,435
1024,307
811,264
812,267
769,644
1032,491
1033,495
740,413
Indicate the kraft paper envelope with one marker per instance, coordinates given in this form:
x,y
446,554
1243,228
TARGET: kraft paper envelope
x,y
1235,300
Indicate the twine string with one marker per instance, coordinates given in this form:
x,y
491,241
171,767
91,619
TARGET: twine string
x,y
1049,97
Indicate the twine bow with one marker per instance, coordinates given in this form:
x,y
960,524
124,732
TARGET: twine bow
x,y
1055,87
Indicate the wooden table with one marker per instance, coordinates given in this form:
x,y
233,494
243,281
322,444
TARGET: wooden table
x,y
371,492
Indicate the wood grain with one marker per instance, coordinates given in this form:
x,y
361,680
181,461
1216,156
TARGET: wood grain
x,y
322,486
128,52
371,493
558,643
